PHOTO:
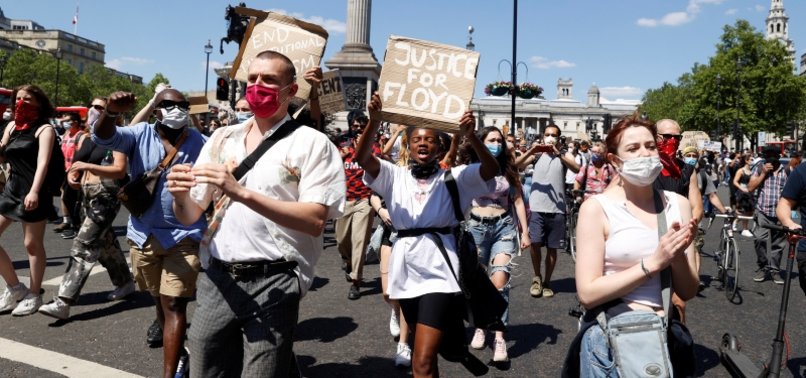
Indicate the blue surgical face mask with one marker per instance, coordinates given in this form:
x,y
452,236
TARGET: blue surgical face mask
x,y
243,116
596,158
691,161
495,149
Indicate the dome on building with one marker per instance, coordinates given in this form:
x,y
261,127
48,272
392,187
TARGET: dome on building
x,y
593,89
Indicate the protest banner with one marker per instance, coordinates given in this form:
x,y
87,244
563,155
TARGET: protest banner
x,y
693,138
302,42
713,146
331,93
426,84
198,104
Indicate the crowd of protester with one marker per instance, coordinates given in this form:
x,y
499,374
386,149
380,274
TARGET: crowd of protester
x,y
225,228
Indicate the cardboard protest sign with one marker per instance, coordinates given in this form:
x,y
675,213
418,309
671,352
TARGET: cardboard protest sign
x,y
693,138
302,42
426,84
198,105
713,146
331,93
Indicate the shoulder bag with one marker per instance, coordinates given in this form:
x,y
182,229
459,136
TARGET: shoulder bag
x,y
138,194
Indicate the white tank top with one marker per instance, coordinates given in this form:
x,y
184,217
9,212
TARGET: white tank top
x,y
630,240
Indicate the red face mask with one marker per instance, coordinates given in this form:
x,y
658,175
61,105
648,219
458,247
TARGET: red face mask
x,y
264,101
24,114
668,149
669,146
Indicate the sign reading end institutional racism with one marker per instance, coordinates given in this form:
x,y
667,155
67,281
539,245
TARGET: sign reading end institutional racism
x,y
426,84
302,42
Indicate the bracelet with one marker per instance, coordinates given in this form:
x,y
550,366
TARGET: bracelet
x,y
646,271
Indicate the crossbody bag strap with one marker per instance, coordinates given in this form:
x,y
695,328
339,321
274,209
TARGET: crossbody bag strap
x,y
665,274
247,164
171,150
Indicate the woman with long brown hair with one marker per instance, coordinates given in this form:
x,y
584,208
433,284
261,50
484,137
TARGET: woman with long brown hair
x,y
493,225
27,145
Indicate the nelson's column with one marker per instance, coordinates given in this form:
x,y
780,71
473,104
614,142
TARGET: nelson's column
x,y
357,64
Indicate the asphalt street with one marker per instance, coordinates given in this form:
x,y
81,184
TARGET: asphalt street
x,y
337,337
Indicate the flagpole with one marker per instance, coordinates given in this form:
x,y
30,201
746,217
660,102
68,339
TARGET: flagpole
x,y
75,21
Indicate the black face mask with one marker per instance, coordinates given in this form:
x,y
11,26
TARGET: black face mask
x,y
423,171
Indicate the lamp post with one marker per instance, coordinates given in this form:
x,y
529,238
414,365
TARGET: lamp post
x,y
718,105
3,60
736,135
514,89
58,55
208,48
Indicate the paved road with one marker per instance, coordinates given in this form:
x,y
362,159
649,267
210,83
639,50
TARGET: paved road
x,y
341,338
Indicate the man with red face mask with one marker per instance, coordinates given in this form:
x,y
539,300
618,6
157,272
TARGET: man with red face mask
x,y
679,177
266,233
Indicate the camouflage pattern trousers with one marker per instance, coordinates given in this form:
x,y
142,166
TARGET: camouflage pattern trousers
x,y
95,242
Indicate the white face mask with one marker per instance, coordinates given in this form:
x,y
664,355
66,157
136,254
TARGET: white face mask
x,y
175,118
550,140
641,171
6,116
67,125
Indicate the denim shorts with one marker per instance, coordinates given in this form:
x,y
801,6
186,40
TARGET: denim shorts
x,y
595,359
493,235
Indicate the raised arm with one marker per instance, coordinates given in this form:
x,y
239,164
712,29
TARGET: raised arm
x,y
119,102
314,76
363,152
489,166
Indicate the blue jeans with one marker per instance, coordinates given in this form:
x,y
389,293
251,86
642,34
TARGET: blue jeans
x,y
494,236
595,359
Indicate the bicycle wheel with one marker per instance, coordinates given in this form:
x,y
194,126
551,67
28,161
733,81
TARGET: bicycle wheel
x,y
572,232
731,269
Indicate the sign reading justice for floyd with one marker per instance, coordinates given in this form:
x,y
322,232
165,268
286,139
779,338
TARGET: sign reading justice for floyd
x,y
302,42
426,84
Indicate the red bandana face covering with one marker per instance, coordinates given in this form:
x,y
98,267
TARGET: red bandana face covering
x,y
667,150
24,114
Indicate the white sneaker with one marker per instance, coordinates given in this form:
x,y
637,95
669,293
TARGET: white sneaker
x,y
403,355
500,351
57,309
478,339
29,305
11,296
394,324
121,292
748,234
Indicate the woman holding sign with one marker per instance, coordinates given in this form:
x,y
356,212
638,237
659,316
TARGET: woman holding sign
x,y
419,204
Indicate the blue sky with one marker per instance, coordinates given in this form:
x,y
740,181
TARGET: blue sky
x,y
625,47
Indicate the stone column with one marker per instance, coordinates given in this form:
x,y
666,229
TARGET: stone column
x,y
359,68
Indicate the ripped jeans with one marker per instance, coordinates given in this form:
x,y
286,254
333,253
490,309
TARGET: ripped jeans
x,y
494,236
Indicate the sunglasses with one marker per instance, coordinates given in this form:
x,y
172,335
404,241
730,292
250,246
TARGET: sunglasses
x,y
170,105
678,137
98,107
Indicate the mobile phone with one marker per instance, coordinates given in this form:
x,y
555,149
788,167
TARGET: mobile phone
x,y
545,148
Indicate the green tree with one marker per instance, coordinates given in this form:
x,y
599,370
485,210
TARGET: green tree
x,y
749,79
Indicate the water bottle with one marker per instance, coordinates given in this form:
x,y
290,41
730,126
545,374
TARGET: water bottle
x,y
107,161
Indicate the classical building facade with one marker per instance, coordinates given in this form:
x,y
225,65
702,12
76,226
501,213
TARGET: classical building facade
x,y
74,50
590,120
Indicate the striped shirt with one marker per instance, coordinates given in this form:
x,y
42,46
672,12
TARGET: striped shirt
x,y
769,192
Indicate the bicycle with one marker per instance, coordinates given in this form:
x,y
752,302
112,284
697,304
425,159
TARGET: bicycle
x,y
727,258
571,220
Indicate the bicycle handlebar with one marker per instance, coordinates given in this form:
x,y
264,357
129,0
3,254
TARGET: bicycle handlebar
x,y
733,216
792,231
